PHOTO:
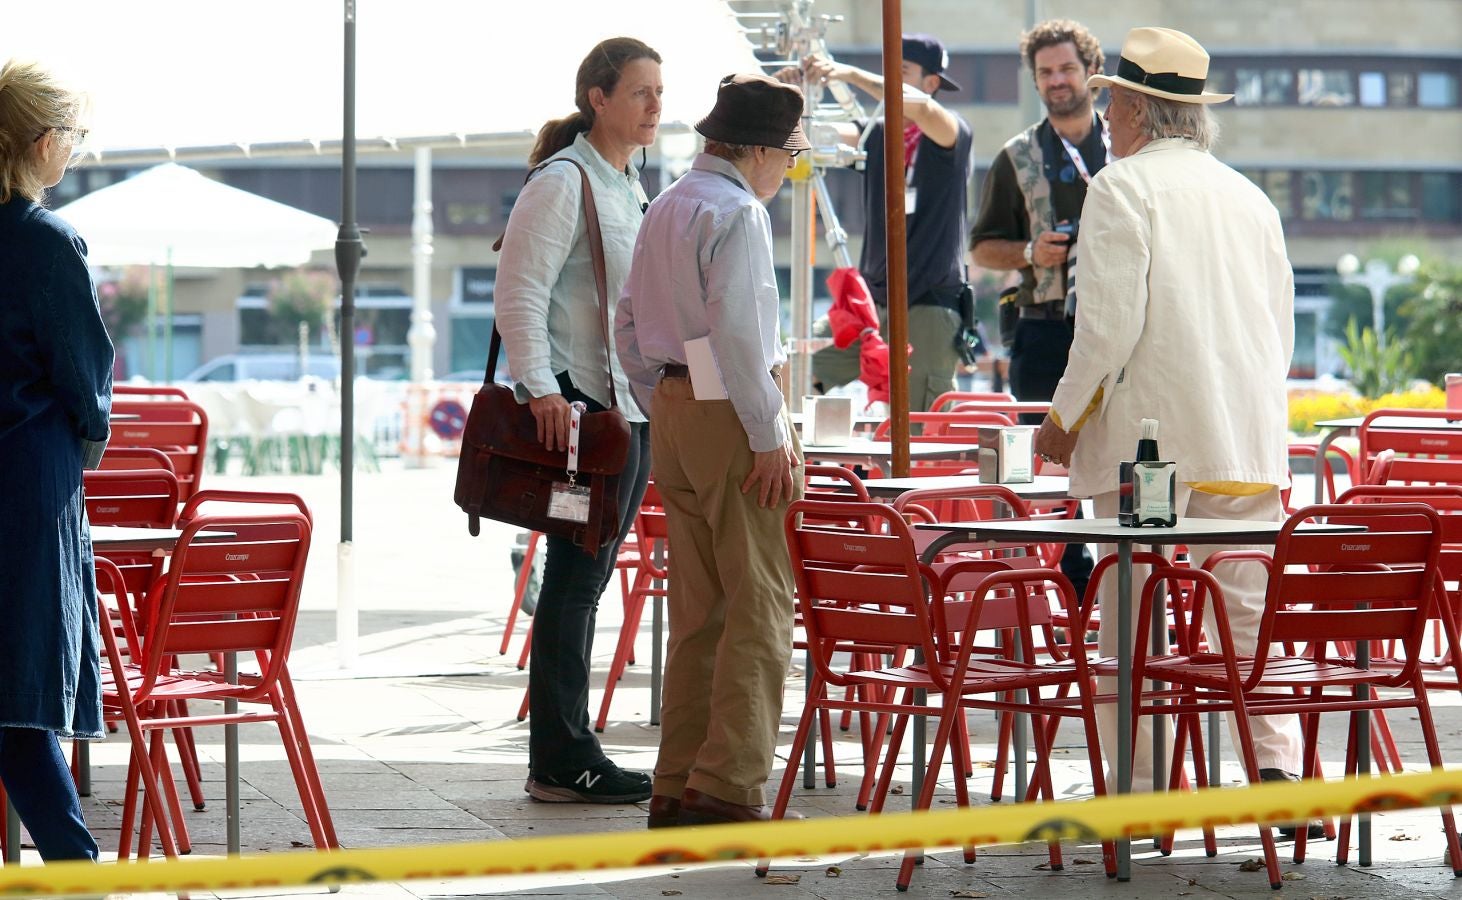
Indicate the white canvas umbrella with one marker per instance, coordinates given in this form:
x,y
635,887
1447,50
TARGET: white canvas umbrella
x,y
172,214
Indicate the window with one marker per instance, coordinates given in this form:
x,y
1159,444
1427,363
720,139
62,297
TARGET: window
x,y
1326,196
477,286
1325,87
1276,185
1302,363
1441,197
1386,195
1372,89
1262,87
1436,89
1402,86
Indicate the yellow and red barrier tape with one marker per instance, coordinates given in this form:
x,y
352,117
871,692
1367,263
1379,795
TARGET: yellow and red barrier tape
x,y
1087,820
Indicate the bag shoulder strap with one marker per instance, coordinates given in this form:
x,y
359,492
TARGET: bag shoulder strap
x,y
601,278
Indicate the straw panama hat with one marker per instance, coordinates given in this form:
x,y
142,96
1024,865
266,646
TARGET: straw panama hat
x,y
1164,63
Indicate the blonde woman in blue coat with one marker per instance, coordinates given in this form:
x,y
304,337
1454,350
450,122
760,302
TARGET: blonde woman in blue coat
x,y
55,396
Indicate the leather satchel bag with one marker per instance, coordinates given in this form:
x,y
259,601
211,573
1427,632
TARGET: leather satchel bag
x,y
504,472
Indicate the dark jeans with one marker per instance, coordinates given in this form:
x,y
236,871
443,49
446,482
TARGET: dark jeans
x,y
39,783
559,737
1037,362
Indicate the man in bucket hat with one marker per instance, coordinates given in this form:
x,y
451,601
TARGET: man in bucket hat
x,y
1187,317
938,159
727,461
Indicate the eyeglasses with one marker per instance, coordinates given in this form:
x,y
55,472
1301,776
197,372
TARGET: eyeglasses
x,y
80,133
794,153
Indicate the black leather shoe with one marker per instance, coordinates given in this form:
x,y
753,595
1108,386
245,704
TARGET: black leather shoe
x,y
697,808
1314,831
664,811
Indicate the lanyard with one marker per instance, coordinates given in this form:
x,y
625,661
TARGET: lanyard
x,y
1075,154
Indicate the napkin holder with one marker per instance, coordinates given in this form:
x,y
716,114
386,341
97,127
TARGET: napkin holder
x,y
827,421
1007,454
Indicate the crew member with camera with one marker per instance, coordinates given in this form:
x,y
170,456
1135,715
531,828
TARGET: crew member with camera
x,y
937,158
1030,212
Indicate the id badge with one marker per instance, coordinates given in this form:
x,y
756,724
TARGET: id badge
x,y
569,502
911,200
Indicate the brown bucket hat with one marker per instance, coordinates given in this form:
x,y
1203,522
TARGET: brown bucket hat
x,y
758,111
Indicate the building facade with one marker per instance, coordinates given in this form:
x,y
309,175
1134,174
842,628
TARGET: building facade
x,y
1346,112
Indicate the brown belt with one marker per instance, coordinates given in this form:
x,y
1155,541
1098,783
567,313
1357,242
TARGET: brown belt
x,y
676,370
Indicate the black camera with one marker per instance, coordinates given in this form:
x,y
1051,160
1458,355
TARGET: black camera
x,y
1069,229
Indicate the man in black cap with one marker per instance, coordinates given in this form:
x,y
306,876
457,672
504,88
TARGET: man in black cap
x,y
937,160
727,461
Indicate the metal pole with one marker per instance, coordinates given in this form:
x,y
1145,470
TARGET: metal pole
x,y
349,250
896,226
167,326
804,212
422,336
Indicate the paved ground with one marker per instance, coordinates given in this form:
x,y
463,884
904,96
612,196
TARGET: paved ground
x,y
418,743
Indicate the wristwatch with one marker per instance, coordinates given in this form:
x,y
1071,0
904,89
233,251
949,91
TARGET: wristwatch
x,y
1029,253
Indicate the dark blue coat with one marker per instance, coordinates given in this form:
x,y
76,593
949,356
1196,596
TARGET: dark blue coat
x,y
55,396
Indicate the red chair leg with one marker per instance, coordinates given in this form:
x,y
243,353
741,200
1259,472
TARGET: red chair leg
x,y
1434,756
520,586
794,761
624,647
309,768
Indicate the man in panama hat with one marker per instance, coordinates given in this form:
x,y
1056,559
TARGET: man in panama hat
x,y
1187,317
702,274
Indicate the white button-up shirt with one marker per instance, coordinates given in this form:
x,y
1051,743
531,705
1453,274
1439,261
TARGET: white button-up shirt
x,y
545,299
703,266
1186,316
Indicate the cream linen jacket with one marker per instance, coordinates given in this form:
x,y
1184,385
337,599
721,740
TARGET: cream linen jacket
x,y
1186,316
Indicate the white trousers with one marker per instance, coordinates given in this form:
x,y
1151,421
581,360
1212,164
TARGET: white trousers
x,y
1278,742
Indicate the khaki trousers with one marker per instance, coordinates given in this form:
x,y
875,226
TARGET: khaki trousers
x,y
1278,741
730,603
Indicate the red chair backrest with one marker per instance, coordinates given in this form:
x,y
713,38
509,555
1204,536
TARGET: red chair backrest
x,y
177,428
138,498
1446,499
857,586
135,458
1431,455
950,398
155,391
1373,585
229,595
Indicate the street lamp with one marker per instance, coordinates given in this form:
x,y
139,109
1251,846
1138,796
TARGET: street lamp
x,y
1378,279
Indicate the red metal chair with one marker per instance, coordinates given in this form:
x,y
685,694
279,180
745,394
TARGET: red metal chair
x,y
639,575
232,595
867,589
1447,618
1423,456
1325,590
652,540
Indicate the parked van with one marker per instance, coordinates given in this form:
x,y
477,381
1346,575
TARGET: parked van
x,y
265,367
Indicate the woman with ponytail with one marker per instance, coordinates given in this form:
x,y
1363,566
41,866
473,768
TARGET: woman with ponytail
x,y
548,314
55,396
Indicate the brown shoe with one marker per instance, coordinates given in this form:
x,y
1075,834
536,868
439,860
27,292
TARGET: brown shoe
x,y
697,808
664,811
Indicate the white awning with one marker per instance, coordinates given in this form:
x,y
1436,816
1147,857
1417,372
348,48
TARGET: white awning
x,y
172,214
